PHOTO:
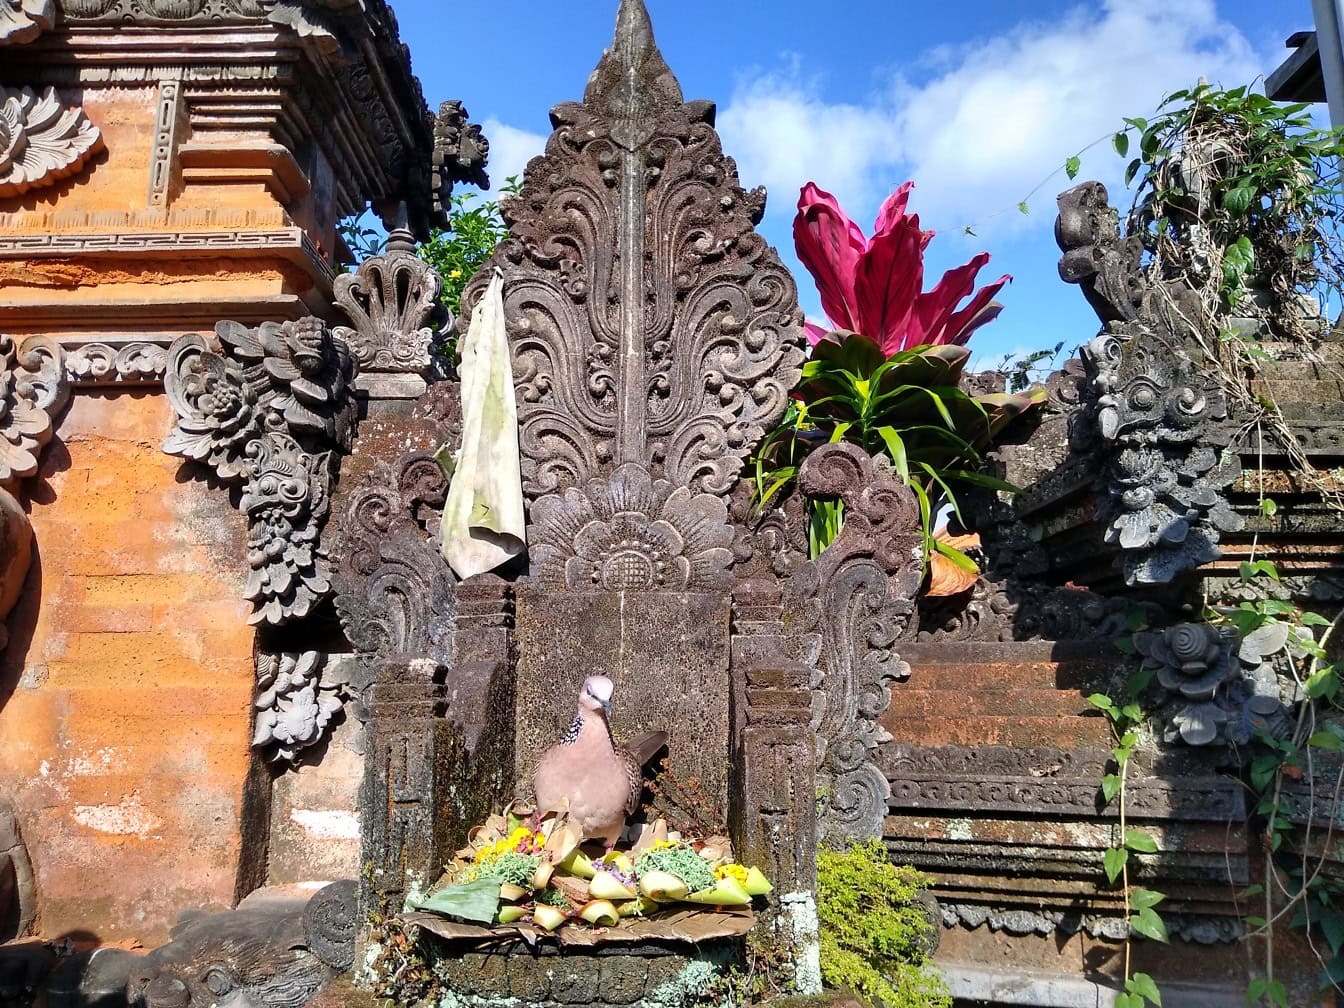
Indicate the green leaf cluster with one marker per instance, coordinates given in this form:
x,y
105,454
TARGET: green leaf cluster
x,y
475,227
908,406
681,861
875,937
1253,175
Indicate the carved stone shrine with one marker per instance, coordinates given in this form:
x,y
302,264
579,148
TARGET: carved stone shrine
x,y
247,709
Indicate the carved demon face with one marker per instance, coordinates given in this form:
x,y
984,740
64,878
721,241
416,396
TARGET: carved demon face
x,y
231,960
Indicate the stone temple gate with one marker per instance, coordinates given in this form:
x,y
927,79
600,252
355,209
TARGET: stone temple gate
x,y
239,674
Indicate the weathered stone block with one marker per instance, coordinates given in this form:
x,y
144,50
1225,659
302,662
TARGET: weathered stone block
x,y
621,979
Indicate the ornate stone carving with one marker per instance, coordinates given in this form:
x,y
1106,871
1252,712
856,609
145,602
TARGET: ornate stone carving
x,y
269,409
1219,686
127,364
277,954
858,597
25,20
1164,480
650,324
773,793
395,590
390,299
631,532
295,704
1047,780
461,153
33,388
41,140
1007,609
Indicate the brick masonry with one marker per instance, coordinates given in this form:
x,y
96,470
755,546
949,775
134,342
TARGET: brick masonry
x,y
125,693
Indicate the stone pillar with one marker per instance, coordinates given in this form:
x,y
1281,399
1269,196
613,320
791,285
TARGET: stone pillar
x,y
772,790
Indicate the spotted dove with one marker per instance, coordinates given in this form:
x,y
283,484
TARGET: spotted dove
x,y
601,779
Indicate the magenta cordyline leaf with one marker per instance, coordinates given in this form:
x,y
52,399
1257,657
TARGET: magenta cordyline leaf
x,y
876,286
829,245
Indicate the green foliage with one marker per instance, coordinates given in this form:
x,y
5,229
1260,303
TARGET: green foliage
x,y
874,934
909,407
475,227
518,869
1254,176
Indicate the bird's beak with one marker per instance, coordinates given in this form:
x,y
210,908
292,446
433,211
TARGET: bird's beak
x,y
606,707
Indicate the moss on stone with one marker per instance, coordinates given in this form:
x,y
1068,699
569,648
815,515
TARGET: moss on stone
x,y
874,935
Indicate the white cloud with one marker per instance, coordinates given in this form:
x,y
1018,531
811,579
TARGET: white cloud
x,y
510,150
991,120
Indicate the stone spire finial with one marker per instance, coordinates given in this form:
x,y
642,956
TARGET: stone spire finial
x,y
632,80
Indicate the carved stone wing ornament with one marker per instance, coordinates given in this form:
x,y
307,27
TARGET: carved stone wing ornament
x,y
41,139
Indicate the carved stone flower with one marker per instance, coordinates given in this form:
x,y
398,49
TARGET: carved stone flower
x,y
630,532
215,404
41,139
1190,658
294,707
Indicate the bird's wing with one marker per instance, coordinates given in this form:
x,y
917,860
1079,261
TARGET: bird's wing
x,y
634,775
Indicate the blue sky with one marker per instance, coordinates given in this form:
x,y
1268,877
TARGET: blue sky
x,y
977,101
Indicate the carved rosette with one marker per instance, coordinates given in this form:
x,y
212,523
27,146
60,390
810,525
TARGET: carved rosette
x,y
269,409
858,597
390,300
650,324
25,20
1218,685
630,532
294,705
1165,482
42,140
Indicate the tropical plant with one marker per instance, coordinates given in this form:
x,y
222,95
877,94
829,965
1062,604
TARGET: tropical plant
x,y
475,227
893,387
874,286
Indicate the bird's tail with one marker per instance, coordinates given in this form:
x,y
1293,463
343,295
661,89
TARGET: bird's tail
x,y
645,747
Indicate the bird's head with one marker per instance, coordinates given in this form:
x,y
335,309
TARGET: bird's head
x,y
596,694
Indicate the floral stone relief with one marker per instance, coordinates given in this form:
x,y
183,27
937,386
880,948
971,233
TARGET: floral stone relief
x,y
297,702
1219,685
25,20
42,140
269,409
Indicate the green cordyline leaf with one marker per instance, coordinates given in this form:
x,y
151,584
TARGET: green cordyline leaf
x,y
896,450
957,558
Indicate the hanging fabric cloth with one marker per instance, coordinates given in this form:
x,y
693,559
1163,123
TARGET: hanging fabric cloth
x,y
483,520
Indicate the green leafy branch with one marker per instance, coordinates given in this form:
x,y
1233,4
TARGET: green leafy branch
x,y
1140,903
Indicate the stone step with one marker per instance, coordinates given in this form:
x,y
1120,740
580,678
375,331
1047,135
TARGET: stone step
x,y
921,703
1001,677
1064,732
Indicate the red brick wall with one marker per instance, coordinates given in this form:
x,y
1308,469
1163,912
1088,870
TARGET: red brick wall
x,y
124,743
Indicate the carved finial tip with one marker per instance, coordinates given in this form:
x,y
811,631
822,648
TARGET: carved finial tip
x,y
633,27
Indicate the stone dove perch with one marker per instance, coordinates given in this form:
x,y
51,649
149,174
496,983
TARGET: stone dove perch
x,y
600,779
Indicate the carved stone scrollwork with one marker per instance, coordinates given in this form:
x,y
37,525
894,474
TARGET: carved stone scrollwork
x,y
33,389
128,364
650,324
631,532
859,597
25,20
42,140
395,590
390,299
1220,686
295,705
1165,506
1007,609
269,409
